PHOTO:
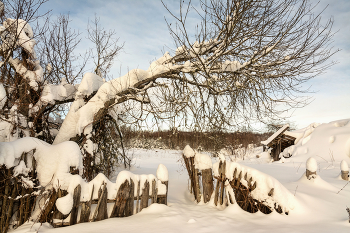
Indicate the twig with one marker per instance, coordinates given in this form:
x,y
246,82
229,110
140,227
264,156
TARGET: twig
x,y
322,158
343,187
299,167
295,190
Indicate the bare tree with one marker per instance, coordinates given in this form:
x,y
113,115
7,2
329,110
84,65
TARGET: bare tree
x,y
248,60
106,47
57,49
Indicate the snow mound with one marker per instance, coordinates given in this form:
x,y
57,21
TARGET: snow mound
x,y
341,123
324,142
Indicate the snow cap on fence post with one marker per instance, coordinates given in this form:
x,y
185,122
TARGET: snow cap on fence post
x,y
311,168
188,151
344,170
202,161
162,173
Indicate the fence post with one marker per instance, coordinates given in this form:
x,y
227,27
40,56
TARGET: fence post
x,y
163,176
86,208
129,210
75,208
219,194
208,185
189,171
101,208
145,196
154,191
138,197
344,170
311,168
121,200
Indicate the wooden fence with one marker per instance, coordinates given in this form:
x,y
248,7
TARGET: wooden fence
x,y
238,189
19,195
125,204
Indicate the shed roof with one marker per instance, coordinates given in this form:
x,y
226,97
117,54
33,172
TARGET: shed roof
x,y
279,136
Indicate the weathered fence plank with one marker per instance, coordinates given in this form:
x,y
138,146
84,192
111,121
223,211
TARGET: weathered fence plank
x,y
121,200
189,171
129,210
10,206
208,185
163,199
223,178
86,208
101,208
75,208
138,197
51,200
145,196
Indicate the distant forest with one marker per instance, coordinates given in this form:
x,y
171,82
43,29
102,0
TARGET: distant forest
x,y
202,141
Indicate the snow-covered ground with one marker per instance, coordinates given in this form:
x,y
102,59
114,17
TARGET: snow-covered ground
x,y
320,203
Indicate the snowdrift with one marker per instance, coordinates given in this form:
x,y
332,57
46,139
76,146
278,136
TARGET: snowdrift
x,y
328,142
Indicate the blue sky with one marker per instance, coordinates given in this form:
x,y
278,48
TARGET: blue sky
x,y
141,25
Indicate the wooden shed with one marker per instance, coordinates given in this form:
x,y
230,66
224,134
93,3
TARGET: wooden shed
x,y
279,141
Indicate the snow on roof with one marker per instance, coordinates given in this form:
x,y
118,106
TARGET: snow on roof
x,y
273,136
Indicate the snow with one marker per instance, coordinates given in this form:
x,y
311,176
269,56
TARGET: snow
x,y
264,183
344,166
52,161
65,204
311,164
188,152
273,136
89,84
69,182
33,77
327,142
3,97
231,66
24,33
81,115
202,161
162,173
5,131
52,93
21,168
318,205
